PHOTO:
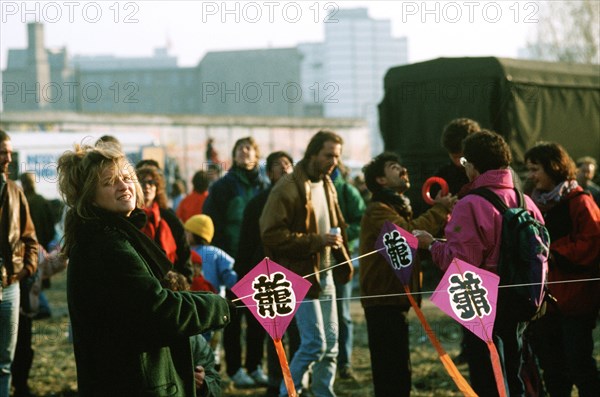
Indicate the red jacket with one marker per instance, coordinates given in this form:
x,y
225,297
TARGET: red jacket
x,y
574,227
191,205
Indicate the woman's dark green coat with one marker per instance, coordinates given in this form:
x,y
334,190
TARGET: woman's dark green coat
x,y
131,337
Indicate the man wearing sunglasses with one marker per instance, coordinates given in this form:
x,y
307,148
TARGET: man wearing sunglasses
x,y
384,302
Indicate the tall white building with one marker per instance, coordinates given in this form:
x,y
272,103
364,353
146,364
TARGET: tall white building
x,y
349,66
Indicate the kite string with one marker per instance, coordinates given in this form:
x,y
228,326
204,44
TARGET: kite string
x,y
415,292
343,263
325,270
431,292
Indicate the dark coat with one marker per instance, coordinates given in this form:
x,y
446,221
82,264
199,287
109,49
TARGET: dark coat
x,y
225,204
251,250
455,176
41,215
131,336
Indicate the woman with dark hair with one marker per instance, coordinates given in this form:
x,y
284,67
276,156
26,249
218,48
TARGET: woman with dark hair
x,y
131,336
562,339
474,235
163,226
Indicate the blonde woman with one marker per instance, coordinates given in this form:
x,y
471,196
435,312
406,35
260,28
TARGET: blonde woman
x,y
131,336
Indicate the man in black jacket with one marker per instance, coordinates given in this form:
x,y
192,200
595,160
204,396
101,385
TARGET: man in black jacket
x,y
452,137
40,211
250,253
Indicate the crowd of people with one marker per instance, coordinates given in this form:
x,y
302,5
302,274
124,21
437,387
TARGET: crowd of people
x,y
149,278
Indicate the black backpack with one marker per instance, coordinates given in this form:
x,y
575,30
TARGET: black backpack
x,y
523,262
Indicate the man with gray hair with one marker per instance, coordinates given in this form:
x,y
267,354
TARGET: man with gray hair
x,y
586,169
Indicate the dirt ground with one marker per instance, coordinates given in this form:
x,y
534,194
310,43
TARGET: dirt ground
x,y
53,373
429,377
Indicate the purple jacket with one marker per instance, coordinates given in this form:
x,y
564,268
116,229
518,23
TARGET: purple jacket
x,y
475,226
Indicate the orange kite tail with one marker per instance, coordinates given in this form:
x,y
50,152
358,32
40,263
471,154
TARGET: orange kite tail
x,y
285,368
454,373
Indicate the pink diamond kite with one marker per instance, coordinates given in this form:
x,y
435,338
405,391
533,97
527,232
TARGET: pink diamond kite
x,y
469,295
399,248
272,293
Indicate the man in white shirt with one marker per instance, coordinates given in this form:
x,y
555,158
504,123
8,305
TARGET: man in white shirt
x,y
295,228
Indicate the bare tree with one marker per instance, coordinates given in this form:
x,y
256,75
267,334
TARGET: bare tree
x,y
567,31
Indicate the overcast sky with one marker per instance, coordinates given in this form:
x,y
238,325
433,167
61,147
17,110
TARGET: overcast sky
x,y
135,28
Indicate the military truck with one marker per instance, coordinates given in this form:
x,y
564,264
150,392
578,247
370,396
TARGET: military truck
x,y
524,101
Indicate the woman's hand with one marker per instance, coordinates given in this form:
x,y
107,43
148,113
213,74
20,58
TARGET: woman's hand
x,y
425,239
199,376
447,201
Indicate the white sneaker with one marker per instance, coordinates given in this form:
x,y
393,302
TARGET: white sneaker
x,y
259,377
242,380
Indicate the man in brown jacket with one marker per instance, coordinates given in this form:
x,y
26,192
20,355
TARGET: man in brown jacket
x,y
18,259
296,231
387,326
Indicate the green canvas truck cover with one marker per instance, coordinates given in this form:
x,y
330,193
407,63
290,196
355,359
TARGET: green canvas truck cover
x,y
524,101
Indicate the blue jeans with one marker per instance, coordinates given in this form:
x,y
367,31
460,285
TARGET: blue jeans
x,y
9,324
343,294
317,324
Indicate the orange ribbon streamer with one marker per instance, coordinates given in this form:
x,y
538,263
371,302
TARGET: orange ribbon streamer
x,y
285,368
497,368
454,373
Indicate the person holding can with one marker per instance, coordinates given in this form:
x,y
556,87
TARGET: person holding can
x,y
296,226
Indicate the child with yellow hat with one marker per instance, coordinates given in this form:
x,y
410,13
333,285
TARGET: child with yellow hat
x,y
217,265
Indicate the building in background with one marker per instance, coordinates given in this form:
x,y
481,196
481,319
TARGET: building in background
x,y
251,82
340,77
357,52
28,74
160,60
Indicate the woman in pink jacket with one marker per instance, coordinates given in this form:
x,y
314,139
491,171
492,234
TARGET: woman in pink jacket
x,y
473,235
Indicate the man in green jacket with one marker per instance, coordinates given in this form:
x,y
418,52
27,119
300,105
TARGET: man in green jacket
x,y
352,206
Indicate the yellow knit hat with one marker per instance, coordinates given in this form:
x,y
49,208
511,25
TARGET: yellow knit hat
x,y
201,225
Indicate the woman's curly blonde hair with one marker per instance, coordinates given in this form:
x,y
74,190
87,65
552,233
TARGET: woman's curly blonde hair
x,y
79,173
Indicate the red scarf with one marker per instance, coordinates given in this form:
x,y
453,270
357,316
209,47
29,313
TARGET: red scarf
x,y
158,230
